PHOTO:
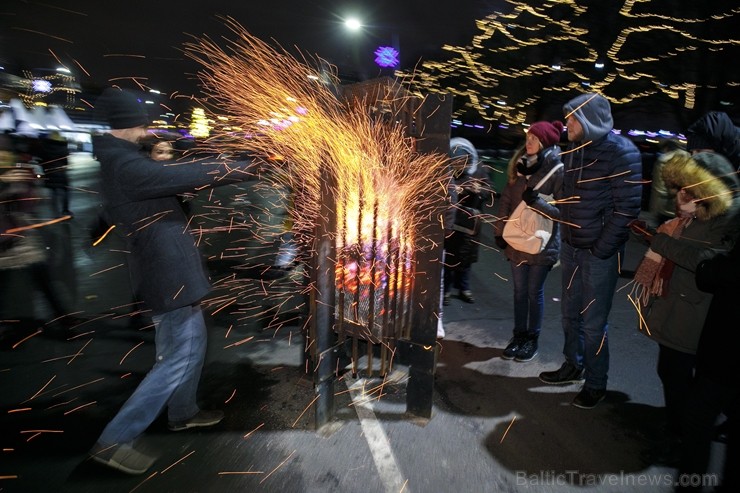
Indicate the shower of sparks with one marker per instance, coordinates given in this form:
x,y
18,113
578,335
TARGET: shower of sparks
x,y
276,105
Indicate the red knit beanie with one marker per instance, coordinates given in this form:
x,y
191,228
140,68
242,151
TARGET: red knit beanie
x,y
548,132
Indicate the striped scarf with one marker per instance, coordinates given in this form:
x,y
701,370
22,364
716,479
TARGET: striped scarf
x,y
654,272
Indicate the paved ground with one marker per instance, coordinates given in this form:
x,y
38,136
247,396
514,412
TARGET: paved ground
x,y
494,427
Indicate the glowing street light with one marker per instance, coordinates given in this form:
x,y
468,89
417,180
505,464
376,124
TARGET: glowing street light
x,y
353,24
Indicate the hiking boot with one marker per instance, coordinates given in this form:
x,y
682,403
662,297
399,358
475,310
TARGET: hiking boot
x,y
527,351
124,458
567,373
588,398
203,418
513,347
467,296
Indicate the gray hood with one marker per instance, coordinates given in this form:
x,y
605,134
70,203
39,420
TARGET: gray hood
x,y
594,114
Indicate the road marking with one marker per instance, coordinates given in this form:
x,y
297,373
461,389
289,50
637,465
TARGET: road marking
x,y
377,441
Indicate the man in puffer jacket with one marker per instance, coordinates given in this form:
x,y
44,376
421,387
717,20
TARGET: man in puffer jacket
x,y
601,195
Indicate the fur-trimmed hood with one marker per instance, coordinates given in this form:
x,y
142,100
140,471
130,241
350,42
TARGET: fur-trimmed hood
x,y
707,176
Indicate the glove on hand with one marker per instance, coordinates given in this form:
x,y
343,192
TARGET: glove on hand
x,y
501,242
641,229
530,195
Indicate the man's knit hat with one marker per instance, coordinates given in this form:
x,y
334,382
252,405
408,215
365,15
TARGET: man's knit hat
x,y
547,132
699,141
121,109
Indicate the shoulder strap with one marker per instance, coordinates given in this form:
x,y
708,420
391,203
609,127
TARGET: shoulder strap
x,y
547,176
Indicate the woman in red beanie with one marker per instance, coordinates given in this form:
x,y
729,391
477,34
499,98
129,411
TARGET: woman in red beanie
x,y
539,155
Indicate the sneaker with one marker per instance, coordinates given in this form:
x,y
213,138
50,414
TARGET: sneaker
x,y
467,296
588,398
124,458
446,299
202,419
567,373
527,351
513,347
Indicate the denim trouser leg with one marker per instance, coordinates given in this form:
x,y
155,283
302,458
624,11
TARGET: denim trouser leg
x,y
173,380
529,298
462,278
588,290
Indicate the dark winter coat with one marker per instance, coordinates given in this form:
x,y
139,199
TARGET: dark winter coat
x,y
675,320
602,185
512,196
140,198
716,356
460,243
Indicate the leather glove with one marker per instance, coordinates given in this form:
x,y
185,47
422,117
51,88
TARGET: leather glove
x,y
530,195
641,229
501,242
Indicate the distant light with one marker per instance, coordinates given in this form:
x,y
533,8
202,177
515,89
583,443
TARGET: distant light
x,y
63,70
386,56
41,85
501,103
555,66
587,84
154,91
148,102
725,103
353,24
599,64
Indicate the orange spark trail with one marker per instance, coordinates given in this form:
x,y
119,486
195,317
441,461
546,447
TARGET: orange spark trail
x,y
507,430
129,352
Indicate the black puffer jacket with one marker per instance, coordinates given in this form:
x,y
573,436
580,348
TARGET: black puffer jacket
x,y
140,198
602,189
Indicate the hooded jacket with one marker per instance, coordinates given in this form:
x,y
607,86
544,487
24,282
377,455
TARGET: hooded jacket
x,y
140,198
512,195
717,130
602,189
676,319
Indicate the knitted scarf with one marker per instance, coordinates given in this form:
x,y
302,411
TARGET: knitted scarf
x,y
654,271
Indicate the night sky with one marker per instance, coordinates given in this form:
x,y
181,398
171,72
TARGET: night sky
x,y
110,42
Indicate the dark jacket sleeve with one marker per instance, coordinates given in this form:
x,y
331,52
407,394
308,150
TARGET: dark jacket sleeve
x,y
142,178
720,272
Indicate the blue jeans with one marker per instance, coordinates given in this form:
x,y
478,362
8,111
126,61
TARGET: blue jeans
x,y
588,289
529,298
180,341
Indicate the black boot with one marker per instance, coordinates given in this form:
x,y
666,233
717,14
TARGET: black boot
x,y
528,350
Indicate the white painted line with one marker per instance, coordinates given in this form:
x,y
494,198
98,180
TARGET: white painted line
x,y
377,441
